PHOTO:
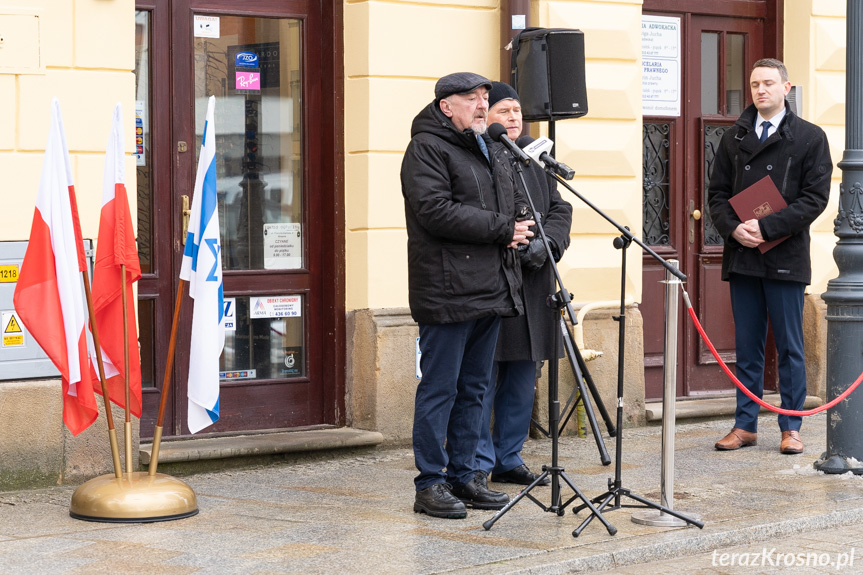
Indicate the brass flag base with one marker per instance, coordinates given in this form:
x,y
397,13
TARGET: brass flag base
x,y
136,498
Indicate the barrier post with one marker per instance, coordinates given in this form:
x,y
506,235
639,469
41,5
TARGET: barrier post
x,y
669,400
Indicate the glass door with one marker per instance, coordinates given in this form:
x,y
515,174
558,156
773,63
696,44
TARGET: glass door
x,y
256,62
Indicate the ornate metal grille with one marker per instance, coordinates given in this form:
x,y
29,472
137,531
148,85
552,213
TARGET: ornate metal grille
x,y
712,135
656,181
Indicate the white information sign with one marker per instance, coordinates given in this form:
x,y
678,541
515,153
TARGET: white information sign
x,y
283,246
276,306
660,63
206,26
229,318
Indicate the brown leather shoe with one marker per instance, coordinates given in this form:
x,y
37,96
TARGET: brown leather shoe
x,y
736,439
791,443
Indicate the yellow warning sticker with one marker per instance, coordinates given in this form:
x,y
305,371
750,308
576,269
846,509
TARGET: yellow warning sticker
x,y
13,340
9,274
13,334
13,326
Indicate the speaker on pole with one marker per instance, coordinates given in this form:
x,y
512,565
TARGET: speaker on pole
x,y
548,73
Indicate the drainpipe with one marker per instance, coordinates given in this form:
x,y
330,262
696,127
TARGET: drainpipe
x,y
844,295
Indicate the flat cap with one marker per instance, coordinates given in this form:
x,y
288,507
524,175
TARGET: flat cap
x,y
459,83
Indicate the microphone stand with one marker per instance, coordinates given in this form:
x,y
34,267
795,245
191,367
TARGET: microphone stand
x,y
616,490
557,301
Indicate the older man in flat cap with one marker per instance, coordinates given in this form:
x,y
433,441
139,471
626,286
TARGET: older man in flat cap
x,y
463,276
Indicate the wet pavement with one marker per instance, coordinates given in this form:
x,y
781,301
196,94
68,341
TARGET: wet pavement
x,y
354,514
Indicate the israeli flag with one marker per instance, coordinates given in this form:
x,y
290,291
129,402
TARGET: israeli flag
x,y
202,268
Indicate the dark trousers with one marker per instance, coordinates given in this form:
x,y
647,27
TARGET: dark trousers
x,y
456,365
754,301
511,398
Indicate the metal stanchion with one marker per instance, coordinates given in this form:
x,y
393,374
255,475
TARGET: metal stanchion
x,y
658,518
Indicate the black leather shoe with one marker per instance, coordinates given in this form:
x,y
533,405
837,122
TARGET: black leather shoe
x,y
437,501
477,494
521,475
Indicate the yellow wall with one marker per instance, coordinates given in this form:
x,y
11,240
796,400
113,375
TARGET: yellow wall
x,y
82,52
815,57
395,52
604,147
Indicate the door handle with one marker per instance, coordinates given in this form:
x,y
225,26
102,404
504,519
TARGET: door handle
x,y
694,216
185,214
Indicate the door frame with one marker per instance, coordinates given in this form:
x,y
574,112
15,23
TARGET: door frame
x,y
685,133
171,167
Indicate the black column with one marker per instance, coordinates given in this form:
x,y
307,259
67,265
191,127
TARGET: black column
x,y
844,295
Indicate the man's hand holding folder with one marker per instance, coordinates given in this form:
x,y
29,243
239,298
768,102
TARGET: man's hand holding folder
x,y
755,202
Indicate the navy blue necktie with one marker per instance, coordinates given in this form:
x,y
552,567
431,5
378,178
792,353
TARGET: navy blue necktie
x,y
483,147
765,129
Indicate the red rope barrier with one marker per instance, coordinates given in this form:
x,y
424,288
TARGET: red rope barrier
x,y
751,395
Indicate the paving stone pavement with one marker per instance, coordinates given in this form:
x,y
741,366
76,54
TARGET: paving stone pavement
x,y
354,514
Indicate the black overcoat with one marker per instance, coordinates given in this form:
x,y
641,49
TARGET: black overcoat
x,y
797,159
531,336
460,216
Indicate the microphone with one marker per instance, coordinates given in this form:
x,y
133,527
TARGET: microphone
x,y
498,132
538,151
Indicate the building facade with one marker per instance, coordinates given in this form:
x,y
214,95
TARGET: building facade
x,y
314,106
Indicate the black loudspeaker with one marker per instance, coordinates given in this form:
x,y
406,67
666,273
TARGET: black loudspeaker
x,y
548,73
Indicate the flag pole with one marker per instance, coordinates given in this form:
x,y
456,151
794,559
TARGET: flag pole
x,y
112,433
128,428
166,380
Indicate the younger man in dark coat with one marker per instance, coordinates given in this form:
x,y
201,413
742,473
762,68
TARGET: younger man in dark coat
x,y
769,140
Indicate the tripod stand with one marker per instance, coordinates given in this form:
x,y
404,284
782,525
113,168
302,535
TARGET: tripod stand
x,y
616,490
557,302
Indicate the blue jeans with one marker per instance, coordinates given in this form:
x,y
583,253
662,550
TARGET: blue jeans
x,y
456,366
754,301
511,398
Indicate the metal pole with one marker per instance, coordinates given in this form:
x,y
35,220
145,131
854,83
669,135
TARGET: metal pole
x,y
659,518
844,295
669,390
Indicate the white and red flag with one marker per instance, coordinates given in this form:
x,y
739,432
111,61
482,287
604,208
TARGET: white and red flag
x,y
49,296
116,248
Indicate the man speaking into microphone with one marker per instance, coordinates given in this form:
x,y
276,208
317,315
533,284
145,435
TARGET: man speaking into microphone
x,y
527,339
463,275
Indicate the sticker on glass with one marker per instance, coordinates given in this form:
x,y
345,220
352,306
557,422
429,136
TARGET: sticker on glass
x,y
275,306
283,246
206,26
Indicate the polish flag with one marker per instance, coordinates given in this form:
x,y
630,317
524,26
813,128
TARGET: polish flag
x,y
116,247
49,296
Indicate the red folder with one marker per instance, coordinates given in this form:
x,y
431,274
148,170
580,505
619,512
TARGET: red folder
x,y
759,200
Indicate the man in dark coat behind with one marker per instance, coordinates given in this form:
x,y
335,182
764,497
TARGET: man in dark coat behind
x,y
526,339
769,140
463,275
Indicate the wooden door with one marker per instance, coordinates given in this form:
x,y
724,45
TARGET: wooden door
x,y
264,63
718,53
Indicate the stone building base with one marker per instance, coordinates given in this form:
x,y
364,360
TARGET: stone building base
x,y
36,449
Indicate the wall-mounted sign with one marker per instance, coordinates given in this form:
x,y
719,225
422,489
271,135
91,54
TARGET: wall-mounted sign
x,y
9,274
660,66
13,334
